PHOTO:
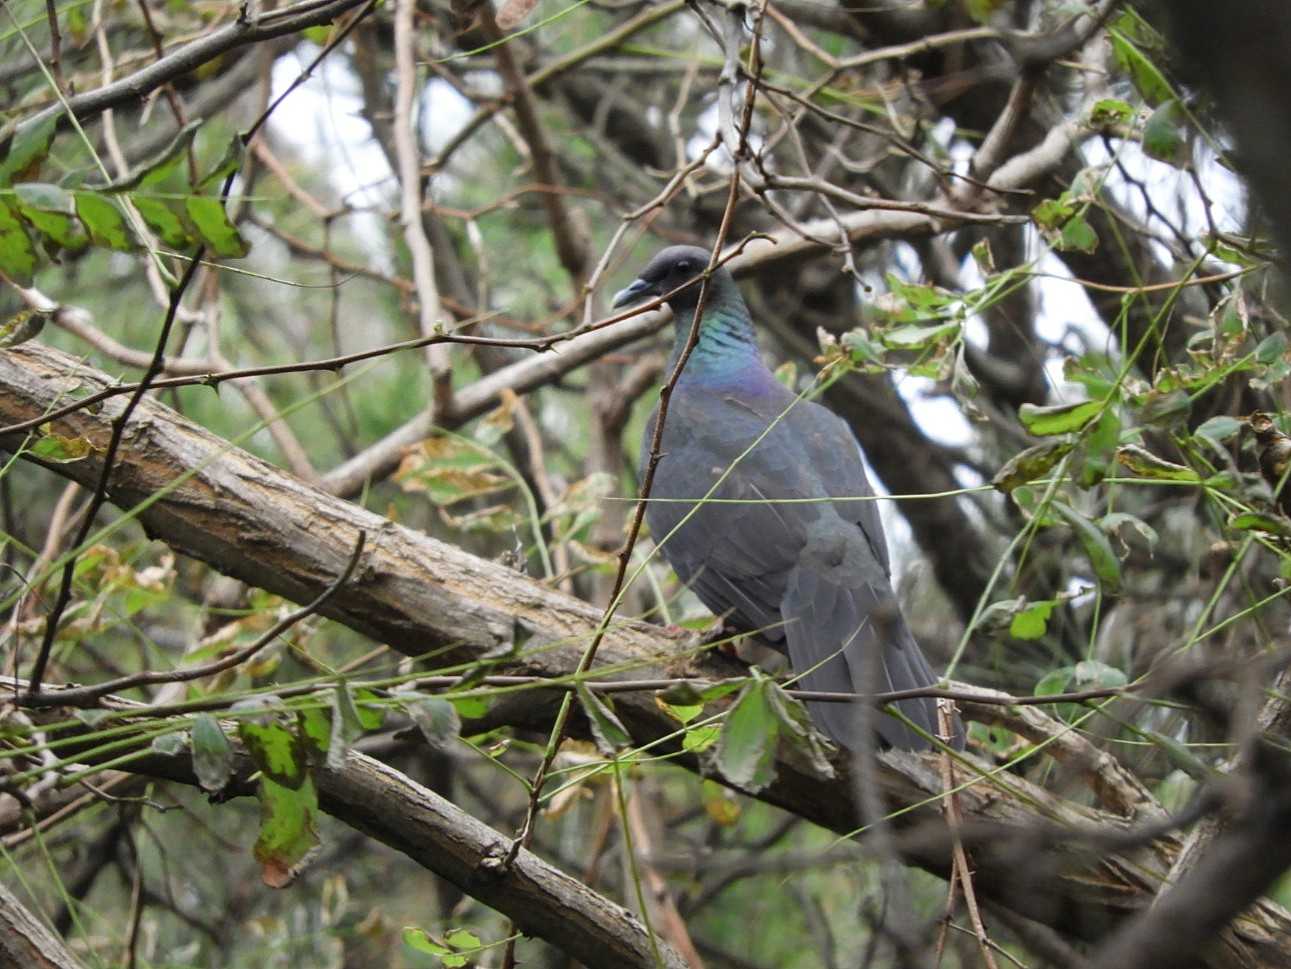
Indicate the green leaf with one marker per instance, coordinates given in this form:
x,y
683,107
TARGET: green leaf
x,y
449,469
862,347
1093,540
799,739
1031,622
157,169
1146,76
1254,521
347,724
23,326
983,257
213,225
1271,348
1077,235
1094,372
163,220
463,940
1095,673
1113,522
420,941
212,753
58,449
17,254
1110,111
1163,134
103,221
982,10
51,211
1145,464
168,743
747,748
229,162
417,940
921,296
288,829
721,688
435,717
998,616
315,726
28,150
276,748
1059,418
471,707
700,738
1034,462
1219,429
497,423
1050,214
1175,791
607,730
918,337
679,695
1098,449
1164,408
1054,682
361,708
1131,23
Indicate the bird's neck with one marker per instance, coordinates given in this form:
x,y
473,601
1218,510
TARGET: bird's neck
x,y
727,344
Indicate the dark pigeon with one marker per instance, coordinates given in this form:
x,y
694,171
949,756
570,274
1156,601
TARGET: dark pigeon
x,y
812,578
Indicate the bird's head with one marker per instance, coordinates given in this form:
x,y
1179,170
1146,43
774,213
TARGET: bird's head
x,y
671,269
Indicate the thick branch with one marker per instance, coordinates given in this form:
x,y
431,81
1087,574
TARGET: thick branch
x,y
386,804
25,941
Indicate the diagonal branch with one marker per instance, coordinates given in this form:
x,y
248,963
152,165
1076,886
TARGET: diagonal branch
x,y
25,941
391,807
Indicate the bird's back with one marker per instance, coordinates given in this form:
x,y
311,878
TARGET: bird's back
x,y
773,553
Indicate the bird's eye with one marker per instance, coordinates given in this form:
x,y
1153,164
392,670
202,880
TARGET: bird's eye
x,y
685,266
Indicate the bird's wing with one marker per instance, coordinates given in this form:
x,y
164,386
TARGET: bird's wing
x,y
845,634
813,576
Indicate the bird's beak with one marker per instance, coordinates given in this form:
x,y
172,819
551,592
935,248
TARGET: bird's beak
x,y
634,293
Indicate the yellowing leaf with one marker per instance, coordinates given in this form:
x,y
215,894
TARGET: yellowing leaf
x,y
288,830
1034,462
1059,418
1145,464
449,469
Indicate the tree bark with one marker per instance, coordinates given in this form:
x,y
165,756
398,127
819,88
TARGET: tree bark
x,y
25,942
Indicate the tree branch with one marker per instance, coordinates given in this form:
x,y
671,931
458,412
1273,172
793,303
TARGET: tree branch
x,y
388,805
241,32
25,941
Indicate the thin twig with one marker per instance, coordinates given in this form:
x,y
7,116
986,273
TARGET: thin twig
x,y
961,871
55,47
100,494
408,158
82,695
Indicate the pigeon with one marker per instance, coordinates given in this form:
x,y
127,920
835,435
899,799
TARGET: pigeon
x,y
809,577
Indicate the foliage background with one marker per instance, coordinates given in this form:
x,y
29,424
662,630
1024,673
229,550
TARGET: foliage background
x,y
1011,248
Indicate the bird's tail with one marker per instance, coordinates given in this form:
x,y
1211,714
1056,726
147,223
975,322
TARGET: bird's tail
x,y
849,640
